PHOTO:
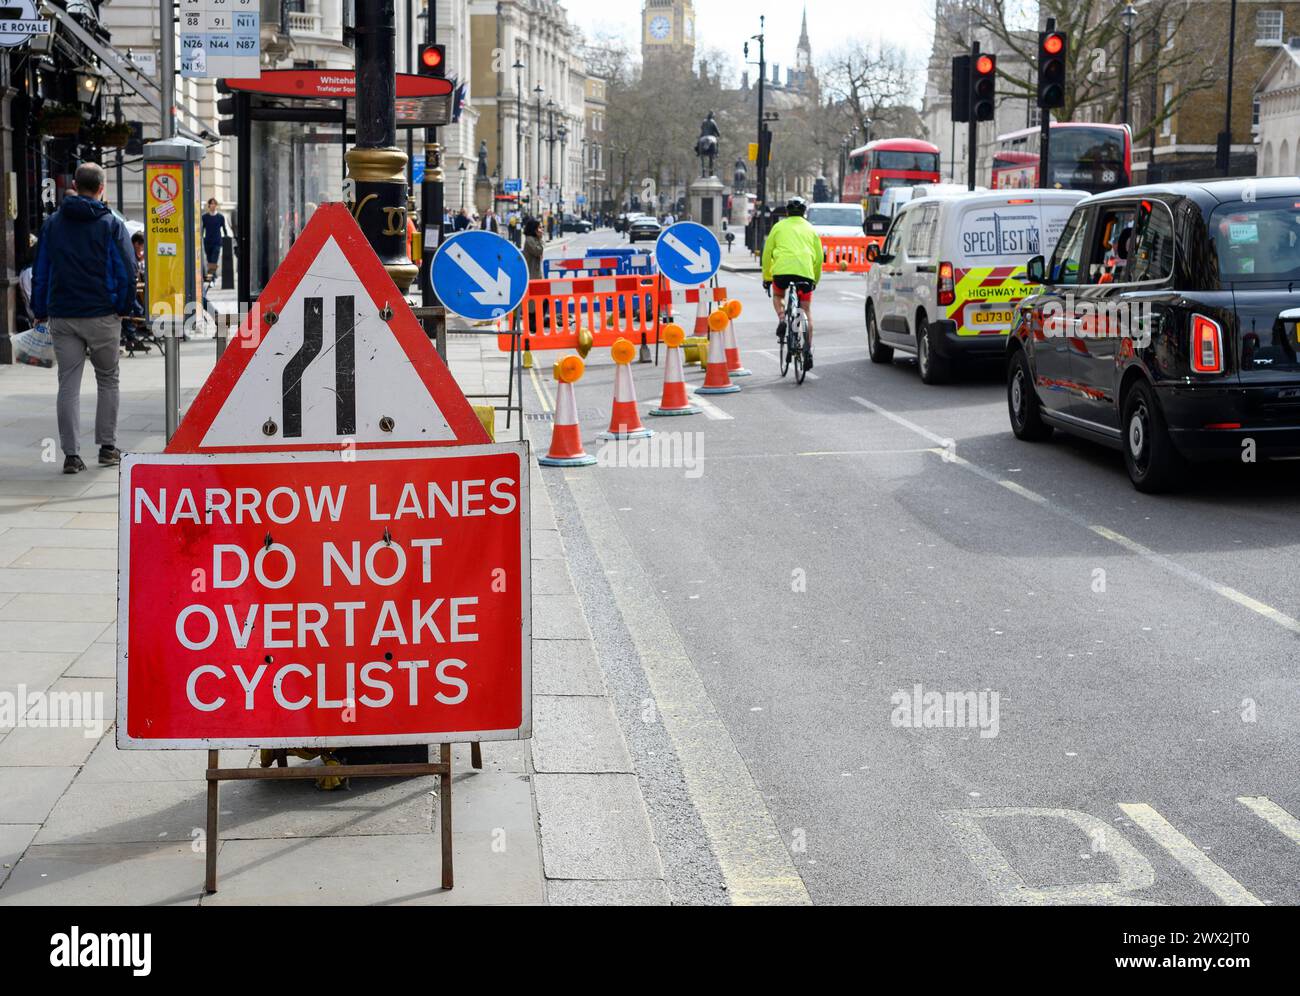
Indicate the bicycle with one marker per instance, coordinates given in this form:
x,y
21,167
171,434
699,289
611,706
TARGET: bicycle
x,y
796,335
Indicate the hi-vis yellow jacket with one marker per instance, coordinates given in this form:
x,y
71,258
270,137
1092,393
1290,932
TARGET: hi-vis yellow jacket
x,y
792,249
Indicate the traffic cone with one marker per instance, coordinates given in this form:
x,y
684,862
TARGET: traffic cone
x,y
716,380
624,420
674,401
566,437
701,313
734,367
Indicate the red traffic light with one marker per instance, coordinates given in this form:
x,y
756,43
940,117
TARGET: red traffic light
x,y
984,65
1053,44
433,60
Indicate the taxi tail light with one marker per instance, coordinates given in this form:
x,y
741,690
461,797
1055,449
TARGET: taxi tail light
x,y
947,286
1207,345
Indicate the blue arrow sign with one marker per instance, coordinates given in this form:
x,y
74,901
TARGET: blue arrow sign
x,y
479,275
417,170
512,185
688,253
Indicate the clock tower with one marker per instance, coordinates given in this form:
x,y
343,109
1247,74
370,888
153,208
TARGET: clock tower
x,y
668,33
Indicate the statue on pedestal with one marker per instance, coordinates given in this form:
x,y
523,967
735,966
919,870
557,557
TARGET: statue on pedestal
x,y
706,146
482,160
740,176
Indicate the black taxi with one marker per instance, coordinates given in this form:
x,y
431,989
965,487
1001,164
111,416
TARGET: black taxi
x,y
1165,327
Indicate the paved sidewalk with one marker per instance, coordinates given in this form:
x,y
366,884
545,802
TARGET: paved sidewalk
x,y
557,819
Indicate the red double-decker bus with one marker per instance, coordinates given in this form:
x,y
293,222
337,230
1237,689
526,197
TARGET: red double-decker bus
x,y
885,163
1082,156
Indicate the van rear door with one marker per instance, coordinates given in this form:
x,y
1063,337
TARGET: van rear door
x,y
992,242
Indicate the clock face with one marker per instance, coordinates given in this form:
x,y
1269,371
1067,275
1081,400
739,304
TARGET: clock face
x,y
660,26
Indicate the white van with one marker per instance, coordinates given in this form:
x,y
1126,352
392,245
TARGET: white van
x,y
945,283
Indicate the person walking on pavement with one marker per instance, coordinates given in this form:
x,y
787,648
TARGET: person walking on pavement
x,y
84,279
550,226
214,230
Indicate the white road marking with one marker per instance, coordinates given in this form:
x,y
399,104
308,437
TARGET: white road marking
x,y
1135,872
1277,817
1228,889
1146,553
710,409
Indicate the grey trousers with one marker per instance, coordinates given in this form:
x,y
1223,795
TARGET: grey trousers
x,y
72,338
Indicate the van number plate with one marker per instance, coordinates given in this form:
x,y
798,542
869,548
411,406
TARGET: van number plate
x,y
993,317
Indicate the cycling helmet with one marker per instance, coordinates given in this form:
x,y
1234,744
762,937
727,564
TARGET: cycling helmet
x,y
796,206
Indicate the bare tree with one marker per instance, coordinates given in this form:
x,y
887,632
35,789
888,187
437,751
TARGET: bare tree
x,y
867,81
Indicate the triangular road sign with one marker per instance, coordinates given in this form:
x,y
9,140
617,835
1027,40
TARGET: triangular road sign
x,y
316,366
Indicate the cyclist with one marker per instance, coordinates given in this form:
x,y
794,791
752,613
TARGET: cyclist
x,y
792,254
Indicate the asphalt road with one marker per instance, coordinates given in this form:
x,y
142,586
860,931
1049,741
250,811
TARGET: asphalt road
x,y
844,541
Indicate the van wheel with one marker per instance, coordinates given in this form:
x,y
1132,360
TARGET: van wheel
x,y
877,350
1154,466
1022,401
932,367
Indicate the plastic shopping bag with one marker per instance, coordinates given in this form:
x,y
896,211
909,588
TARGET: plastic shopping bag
x,y
34,346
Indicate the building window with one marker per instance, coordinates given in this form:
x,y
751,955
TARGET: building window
x,y
1167,125
1254,114
1268,27
1170,27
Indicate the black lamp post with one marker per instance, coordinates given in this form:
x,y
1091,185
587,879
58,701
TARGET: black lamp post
x,y
562,132
519,121
537,178
550,152
760,200
1223,154
1128,17
462,169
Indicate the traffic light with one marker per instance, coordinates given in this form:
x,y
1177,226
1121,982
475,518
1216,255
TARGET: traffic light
x,y
1052,49
984,71
228,110
433,60
961,87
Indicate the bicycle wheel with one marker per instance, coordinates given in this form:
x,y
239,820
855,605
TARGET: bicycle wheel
x,y
784,347
799,371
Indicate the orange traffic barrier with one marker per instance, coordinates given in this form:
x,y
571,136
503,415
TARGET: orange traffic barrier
x,y
624,420
716,380
734,367
554,313
846,254
674,400
566,436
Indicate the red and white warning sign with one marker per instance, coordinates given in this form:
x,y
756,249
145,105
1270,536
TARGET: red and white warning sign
x,y
304,599
330,357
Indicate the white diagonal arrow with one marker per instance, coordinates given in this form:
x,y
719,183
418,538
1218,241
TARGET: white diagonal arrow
x,y
491,291
700,262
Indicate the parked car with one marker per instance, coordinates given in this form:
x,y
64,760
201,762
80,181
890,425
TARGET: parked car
x,y
643,227
1165,326
836,220
572,223
945,284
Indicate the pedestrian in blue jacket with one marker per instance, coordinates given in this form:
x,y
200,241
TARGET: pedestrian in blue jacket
x,y
83,281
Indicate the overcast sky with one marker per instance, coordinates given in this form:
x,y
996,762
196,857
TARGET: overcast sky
x,y
725,24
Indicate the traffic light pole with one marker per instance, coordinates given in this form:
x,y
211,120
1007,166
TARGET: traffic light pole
x,y
376,165
972,126
1045,139
432,204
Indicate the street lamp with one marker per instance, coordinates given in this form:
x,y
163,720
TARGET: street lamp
x,y
462,171
760,201
550,152
519,121
1223,154
563,133
537,184
1128,17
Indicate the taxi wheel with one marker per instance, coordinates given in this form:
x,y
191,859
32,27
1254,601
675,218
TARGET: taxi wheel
x,y
932,367
1022,401
1153,465
877,350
